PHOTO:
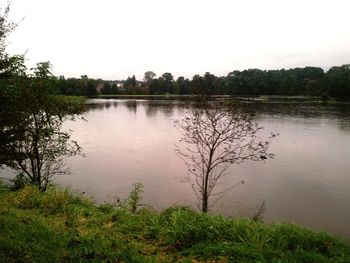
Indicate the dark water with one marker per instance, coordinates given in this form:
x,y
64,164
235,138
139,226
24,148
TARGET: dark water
x,y
308,182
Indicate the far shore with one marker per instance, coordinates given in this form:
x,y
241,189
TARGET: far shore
x,y
260,98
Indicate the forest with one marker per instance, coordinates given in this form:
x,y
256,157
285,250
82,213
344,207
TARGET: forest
x,y
307,81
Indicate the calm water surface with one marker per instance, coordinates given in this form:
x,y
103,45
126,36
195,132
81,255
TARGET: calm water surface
x,y
308,182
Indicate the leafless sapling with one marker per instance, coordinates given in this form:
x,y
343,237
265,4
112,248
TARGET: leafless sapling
x,y
215,137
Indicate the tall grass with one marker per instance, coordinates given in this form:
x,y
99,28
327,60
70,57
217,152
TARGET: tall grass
x,y
59,226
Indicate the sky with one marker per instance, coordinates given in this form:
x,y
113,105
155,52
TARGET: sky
x,y
114,39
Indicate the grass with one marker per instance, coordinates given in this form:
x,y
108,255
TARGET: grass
x,y
59,226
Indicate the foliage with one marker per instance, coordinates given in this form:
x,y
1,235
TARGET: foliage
x,y
10,66
149,75
58,226
130,85
307,81
135,197
19,182
6,27
338,81
33,143
31,116
182,86
83,86
214,138
109,88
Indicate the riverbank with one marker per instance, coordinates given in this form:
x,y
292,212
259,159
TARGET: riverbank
x,y
261,98
59,226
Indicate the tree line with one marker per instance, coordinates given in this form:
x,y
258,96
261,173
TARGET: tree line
x,y
307,81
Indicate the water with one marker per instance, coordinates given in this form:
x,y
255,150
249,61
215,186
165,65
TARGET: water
x,y
308,182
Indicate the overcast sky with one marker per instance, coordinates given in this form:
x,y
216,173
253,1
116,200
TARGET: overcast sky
x,y
114,39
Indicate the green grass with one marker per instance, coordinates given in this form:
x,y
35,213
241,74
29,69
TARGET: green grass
x,y
59,226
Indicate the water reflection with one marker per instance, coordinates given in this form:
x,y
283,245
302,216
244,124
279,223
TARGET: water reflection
x,y
303,110
168,111
131,105
92,104
108,104
95,106
151,110
312,113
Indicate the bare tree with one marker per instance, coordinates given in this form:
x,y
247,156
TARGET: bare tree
x,y
213,138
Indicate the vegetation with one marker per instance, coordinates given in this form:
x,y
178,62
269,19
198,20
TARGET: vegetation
x,y
83,86
307,81
58,226
214,138
32,111
39,146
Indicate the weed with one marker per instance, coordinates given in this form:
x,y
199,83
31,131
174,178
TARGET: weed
x,y
135,197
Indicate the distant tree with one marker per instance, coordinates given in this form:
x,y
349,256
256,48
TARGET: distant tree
x,y
149,75
338,81
154,87
313,88
107,88
182,86
114,89
73,87
62,84
312,73
91,90
273,82
288,84
168,80
210,84
214,138
222,87
87,86
133,81
130,85
197,84
232,83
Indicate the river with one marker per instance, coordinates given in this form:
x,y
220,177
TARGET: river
x,y
308,181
